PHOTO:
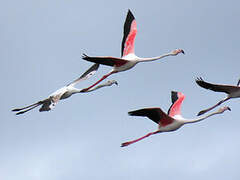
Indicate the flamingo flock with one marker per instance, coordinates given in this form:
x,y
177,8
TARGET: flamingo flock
x,y
170,121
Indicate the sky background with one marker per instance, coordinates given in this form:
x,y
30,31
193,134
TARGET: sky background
x,y
41,43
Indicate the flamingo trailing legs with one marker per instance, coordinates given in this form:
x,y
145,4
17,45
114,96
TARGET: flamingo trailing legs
x,y
171,121
128,58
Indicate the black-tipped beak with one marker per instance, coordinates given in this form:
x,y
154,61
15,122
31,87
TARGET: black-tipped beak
x,y
116,83
183,51
229,108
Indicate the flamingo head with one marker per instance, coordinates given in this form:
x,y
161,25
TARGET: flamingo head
x,y
111,82
177,51
222,109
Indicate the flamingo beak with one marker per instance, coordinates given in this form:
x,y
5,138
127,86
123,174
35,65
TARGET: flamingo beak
x,y
228,108
182,51
116,83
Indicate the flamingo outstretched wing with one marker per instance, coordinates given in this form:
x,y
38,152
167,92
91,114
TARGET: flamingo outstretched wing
x,y
130,31
155,114
105,60
177,99
216,87
89,73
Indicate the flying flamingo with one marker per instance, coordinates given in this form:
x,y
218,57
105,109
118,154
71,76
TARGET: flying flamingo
x,y
128,58
171,121
64,92
231,91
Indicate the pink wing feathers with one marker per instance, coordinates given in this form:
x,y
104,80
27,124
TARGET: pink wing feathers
x,y
130,31
177,99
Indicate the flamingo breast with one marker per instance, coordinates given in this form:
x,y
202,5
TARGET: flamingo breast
x,y
130,57
171,127
66,95
61,93
69,91
125,66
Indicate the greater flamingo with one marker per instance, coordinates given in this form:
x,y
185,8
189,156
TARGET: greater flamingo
x,y
128,58
64,92
171,121
230,90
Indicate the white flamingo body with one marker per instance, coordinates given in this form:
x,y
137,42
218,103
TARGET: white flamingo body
x,y
128,58
171,121
62,93
131,57
65,92
130,64
176,124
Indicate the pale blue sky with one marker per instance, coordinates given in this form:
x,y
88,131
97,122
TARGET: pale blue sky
x,y
40,49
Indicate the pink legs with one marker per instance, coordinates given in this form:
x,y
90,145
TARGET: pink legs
x,y
104,77
136,140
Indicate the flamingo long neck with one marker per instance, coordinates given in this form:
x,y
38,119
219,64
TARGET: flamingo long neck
x,y
186,121
95,88
155,58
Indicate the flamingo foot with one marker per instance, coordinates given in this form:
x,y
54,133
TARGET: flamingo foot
x,y
201,113
16,109
126,144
